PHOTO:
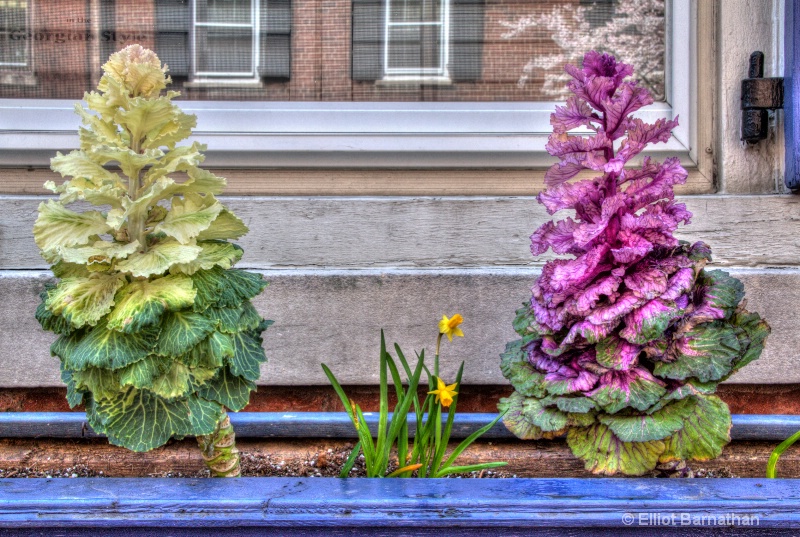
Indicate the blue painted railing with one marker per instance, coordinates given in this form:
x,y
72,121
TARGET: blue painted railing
x,y
337,425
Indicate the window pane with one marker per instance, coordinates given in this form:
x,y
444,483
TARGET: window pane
x,y
414,47
13,24
331,50
414,11
224,50
224,11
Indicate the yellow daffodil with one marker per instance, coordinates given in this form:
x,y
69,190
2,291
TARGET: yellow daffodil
x,y
449,327
444,393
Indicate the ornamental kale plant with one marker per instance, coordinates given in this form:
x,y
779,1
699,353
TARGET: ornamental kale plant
x,y
623,342
157,332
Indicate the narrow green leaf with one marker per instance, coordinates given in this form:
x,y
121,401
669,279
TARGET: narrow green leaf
x,y
351,461
469,468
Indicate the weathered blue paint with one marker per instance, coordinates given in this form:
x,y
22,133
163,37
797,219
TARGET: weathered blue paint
x,y
376,506
791,88
337,425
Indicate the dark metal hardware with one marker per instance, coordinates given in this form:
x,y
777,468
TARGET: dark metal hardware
x,y
759,94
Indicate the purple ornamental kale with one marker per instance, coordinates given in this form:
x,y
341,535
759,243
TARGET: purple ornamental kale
x,y
623,342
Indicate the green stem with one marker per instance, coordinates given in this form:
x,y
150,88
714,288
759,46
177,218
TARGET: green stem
x,y
219,449
773,459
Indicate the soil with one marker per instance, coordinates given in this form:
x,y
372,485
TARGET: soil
x,y
326,463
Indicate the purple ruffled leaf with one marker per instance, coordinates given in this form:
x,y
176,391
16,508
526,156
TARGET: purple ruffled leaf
x,y
625,304
647,283
586,300
583,196
628,100
680,283
635,388
617,353
561,145
606,65
649,321
633,247
576,113
558,236
640,134
589,332
572,377
572,164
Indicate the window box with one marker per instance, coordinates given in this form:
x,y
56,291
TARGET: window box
x,y
326,506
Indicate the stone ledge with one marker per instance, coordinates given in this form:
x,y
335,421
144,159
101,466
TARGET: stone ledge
x,y
335,317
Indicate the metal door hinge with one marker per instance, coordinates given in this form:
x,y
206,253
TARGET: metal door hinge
x,y
759,94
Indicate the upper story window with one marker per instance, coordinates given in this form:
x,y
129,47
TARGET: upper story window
x,y
417,41
225,40
15,49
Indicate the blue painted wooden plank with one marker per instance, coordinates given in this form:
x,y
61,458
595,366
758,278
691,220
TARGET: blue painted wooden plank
x,y
337,425
322,505
791,97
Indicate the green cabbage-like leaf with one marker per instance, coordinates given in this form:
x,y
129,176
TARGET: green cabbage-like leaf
x,y
174,382
247,356
141,420
604,453
211,352
98,252
74,396
752,332
81,164
522,375
182,330
141,374
189,216
705,432
103,383
517,421
50,322
141,303
579,405
228,390
129,160
706,352
214,254
231,320
645,427
225,288
225,227
58,227
84,301
104,347
159,258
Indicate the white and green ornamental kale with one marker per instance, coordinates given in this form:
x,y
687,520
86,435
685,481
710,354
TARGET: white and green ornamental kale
x,y
157,332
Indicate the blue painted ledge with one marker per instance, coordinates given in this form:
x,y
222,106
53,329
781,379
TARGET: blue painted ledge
x,y
325,506
767,427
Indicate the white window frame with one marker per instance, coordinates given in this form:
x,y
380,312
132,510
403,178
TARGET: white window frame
x,y
423,74
373,134
199,76
27,65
